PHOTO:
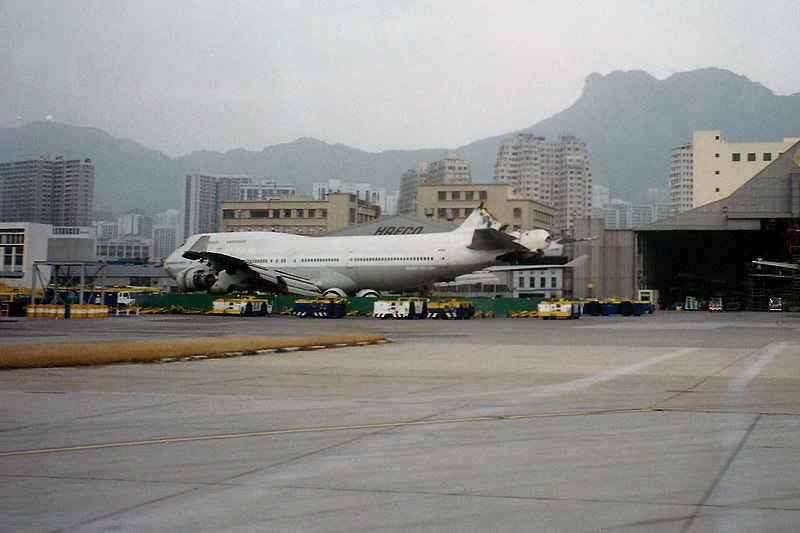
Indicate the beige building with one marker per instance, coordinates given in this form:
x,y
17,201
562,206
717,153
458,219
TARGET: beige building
x,y
298,216
720,168
454,203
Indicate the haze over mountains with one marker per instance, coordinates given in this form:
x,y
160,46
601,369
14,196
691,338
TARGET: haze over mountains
x,y
629,120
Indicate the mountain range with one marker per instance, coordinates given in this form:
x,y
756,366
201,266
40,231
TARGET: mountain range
x,y
629,121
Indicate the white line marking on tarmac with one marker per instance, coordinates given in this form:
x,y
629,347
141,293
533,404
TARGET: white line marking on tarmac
x,y
561,388
690,326
739,383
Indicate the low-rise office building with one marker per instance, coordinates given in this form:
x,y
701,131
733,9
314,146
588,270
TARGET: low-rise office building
x,y
298,216
454,203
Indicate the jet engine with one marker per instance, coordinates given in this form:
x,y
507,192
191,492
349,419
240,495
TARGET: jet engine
x,y
196,279
228,281
535,240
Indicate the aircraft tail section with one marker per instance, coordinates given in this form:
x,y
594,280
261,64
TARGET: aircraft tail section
x,y
481,218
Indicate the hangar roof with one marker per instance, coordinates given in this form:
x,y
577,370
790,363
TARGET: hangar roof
x,y
395,225
772,193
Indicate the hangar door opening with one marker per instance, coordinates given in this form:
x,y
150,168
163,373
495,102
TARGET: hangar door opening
x,y
705,264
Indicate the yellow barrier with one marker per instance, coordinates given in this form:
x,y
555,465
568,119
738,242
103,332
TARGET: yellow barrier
x,y
60,311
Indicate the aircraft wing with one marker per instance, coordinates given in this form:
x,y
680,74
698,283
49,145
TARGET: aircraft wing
x,y
283,281
286,281
577,262
217,260
570,240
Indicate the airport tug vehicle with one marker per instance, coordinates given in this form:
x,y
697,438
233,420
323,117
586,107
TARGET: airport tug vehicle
x,y
248,306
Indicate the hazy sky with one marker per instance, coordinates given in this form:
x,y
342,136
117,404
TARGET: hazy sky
x,y
180,76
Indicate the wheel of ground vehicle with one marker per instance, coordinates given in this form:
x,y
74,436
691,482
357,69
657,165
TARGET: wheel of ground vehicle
x,y
593,308
626,309
248,309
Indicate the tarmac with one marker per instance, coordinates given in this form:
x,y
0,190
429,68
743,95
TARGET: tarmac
x,y
674,422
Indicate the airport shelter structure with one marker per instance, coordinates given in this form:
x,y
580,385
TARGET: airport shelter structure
x,y
708,252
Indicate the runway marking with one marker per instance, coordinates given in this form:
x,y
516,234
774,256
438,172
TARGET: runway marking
x,y
739,383
690,326
735,432
378,425
560,388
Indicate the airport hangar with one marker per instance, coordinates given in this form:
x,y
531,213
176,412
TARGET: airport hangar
x,y
708,251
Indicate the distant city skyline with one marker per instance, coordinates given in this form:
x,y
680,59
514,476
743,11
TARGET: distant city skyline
x,y
186,76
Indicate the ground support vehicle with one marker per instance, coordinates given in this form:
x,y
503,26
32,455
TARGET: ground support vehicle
x,y
321,307
128,310
118,297
649,295
733,306
559,308
401,308
241,306
13,300
775,304
715,304
460,310
611,306
691,304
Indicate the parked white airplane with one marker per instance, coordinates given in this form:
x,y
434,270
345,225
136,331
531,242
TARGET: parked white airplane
x,y
362,265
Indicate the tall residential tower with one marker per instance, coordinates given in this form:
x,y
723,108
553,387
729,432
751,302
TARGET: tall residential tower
x,y
554,173
204,192
57,191
448,171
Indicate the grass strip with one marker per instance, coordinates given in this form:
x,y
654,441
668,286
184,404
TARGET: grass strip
x,y
153,350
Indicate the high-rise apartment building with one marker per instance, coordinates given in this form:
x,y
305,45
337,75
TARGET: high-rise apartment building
x,y
409,181
167,233
203,194
56,191
681,179
449,171
73,192
710,169
554,173
135,224
365,191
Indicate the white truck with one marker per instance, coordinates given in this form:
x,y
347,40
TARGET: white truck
x,y
400,308
242,306
559,308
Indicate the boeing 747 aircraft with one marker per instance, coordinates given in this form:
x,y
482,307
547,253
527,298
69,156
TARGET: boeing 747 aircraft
x,y
361,265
